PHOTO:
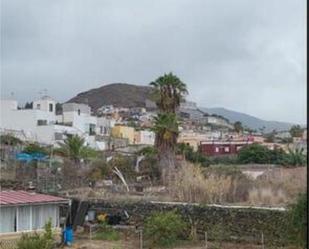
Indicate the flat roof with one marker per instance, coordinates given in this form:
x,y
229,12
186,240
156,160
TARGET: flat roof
x,y
12,198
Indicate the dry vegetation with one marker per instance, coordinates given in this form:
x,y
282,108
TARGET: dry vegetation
x,y
275,187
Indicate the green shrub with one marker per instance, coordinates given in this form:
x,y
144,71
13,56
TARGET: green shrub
x,y
254,153
35,148
38,241
164,228
191,155
106,232
298,218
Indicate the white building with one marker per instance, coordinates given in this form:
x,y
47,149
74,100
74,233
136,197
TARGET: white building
x,y
104,126
78,116
41,124
145,137
22,211
27,121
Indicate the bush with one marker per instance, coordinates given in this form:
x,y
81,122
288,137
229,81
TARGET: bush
x,y
35,148
254,153
191,155
38,241
164,228
298,218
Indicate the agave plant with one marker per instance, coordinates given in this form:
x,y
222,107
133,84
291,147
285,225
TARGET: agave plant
x,y
296,157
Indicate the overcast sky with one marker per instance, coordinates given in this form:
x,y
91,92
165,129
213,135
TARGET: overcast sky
x,y
244,55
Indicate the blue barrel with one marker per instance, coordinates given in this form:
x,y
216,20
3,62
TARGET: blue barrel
x,y
68,236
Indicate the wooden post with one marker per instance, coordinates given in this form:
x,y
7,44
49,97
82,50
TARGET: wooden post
x,y
141,239
262,240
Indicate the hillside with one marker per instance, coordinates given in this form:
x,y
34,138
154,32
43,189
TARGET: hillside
x,y
127,95
248,120
117,94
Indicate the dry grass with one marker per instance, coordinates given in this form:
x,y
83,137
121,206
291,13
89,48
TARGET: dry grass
x,y
278,186
191,185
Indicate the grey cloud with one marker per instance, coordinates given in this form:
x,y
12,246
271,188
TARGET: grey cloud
x,y
243,55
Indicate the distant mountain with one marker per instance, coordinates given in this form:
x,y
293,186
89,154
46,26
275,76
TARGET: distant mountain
x,y
116,94
248,120
128,95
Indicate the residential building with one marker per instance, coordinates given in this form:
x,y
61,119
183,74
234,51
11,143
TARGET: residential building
x,y
42,125
218,121
121,131
104,126
144,137
78,116
27,121
22,211
220,148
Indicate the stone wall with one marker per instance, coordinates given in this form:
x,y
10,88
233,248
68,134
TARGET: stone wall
x,y
226,223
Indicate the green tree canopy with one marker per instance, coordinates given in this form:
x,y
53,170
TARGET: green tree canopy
x,y
296,131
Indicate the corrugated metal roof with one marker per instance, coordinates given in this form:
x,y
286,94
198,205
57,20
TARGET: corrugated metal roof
x,y
23,197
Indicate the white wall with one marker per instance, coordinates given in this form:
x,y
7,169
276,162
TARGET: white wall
x,y
147,137
105,124
28,218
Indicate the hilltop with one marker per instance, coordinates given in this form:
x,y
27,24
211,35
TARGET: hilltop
x,y
116,94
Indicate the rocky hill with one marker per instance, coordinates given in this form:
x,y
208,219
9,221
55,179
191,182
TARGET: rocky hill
x,y
117,94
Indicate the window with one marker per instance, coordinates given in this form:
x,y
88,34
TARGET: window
x,y
58,136
41,122
38,106
78,111
51,107
217,149
226,149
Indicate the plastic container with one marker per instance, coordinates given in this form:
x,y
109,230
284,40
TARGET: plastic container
x,y
68,236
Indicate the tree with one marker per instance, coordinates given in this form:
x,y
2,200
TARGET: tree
x,y
169,91
166,130
28,105
296,131
238,127
74,148
254,153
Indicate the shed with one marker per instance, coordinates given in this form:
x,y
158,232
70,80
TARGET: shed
x,y
22,211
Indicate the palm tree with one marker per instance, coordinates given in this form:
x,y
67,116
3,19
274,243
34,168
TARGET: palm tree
x,y
166,129
75,149
169,91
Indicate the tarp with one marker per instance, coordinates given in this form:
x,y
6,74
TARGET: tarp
x,y
31,157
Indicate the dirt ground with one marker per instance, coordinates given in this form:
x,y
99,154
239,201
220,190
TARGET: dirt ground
x,y
95,244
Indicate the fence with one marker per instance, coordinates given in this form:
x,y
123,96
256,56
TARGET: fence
x,y
135,239
8,243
